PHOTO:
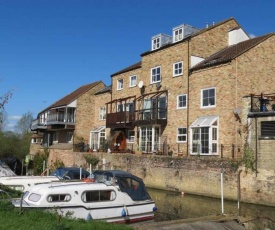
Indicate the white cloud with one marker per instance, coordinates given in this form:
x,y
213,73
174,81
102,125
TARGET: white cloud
x,y
252,35
9,127
14,118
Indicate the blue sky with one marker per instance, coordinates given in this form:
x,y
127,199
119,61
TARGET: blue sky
x,y
49,48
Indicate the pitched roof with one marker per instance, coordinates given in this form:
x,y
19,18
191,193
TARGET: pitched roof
x,y
138,64
131,67
104,90
231,52
192,35
72,96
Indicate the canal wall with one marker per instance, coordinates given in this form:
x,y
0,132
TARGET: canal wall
x,y
193,175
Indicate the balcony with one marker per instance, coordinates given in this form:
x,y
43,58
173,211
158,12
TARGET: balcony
x,y
151,116
263,105
60,118
63,120
120,119
38,124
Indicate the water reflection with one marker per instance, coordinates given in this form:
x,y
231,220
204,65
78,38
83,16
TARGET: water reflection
x,y
172,206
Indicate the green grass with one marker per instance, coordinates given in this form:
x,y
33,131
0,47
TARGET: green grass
x,y
12,219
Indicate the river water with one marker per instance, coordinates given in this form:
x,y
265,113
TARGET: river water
x,y
172,206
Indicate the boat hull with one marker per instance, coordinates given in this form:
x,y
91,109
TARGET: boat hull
x,y
143,211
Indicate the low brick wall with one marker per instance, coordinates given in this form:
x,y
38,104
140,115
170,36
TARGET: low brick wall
x,y
198,175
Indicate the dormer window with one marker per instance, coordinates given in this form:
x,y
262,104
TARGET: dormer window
x,y
155,43
159,40
178,34
182,31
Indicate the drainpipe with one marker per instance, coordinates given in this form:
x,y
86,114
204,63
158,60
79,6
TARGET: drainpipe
x,y
188,96
239,193
256,142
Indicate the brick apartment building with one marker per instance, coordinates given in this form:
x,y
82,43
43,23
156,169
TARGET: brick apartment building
x,y
75,120
196,92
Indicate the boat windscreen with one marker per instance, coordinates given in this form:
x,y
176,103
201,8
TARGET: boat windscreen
x,y
127,182
134,188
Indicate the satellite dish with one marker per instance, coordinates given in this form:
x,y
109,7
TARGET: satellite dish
x,y
158,85
140,84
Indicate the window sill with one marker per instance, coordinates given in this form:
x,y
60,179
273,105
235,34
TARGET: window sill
x,y
266,138
155,82
208,107
177,75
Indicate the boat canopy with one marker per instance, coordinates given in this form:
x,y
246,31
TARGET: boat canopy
x,y
70,173
127,182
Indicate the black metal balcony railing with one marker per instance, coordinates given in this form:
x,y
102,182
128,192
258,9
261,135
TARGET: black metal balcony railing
x,y
262,103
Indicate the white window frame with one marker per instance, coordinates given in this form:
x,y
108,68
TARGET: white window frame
x,y
178,34
120,107
155,43
212,131
208,98
181,134
149,138
129,106
97,137
69,136
178,101
177,69
102,113
155,75
36,140
133,80
131,136
120,84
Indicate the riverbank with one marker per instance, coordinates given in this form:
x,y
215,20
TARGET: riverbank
x,y
209,222
218,222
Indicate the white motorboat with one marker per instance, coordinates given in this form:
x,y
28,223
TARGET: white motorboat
x,y
115,196
25,183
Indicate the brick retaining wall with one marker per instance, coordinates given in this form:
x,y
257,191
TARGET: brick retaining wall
x,y
196,175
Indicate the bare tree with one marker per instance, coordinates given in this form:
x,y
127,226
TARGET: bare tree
x,y
3,119
23,126
4,99
3,116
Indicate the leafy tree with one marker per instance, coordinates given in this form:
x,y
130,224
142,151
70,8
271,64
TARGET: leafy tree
x,y
91,159
38,161
9,144
17,143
